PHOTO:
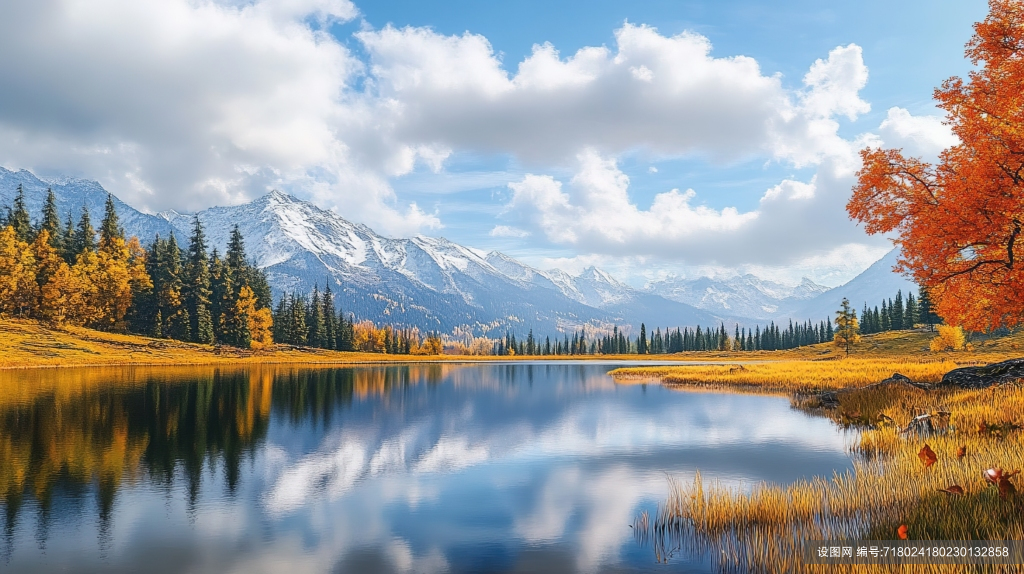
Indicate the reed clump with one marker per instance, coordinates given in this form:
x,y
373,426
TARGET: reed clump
x,y
797,375
764,529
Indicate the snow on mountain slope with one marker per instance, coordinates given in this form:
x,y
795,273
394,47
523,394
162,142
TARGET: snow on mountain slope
x,y
875,283
434,283
71,195
424,281
743,296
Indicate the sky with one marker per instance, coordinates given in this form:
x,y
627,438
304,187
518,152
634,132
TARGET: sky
x,y
651,139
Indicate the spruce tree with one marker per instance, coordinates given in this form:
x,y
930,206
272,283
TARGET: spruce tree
x,y
300,330
330,320
110,228
897,311
926,313
85,235
641,344
910,317
221,289
315,321
19,219
281,321
51,222
196,288
67,250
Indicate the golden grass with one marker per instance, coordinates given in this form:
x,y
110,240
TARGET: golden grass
x,y
764,529
794,375
30,344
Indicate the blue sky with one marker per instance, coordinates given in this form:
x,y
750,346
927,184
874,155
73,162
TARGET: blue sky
x,y
417,117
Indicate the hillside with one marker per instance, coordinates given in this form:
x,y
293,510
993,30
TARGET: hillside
x,y
26,343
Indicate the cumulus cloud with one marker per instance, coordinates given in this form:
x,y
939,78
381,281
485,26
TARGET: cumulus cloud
x,y
172,103
917,135
185,104
595,213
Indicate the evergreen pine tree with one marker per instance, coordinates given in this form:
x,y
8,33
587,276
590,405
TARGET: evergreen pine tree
x,y
19,219
85,235
300,331
221,289
110,227
315,321
68,243
910,316
330,320
641,344
196,289
51,222
281,320
897,311
926,313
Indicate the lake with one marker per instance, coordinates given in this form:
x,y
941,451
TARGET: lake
x,y
410,468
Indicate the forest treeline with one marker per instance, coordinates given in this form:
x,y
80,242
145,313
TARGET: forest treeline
x,y
68,273
894,315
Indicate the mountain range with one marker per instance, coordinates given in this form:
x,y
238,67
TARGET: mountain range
x,y
435,284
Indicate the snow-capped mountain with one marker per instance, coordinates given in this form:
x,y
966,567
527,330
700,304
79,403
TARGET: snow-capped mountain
x,y
742,296
71,194
429,282
434,283
873,284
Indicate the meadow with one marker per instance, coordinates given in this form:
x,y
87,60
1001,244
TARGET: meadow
x,y
895,481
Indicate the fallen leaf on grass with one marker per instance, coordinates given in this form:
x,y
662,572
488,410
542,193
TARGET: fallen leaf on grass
x,y
902,531
960,452
953,489
997,477
927,456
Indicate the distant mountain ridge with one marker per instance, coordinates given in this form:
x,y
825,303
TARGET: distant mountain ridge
x,y
435,284
72,194
744,296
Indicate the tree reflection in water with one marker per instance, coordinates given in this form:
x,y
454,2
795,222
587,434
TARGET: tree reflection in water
x,y
66,432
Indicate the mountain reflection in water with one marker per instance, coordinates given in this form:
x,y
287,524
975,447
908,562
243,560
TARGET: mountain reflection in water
x,y
409,468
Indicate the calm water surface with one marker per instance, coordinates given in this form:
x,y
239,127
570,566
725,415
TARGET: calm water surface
x,y
418,468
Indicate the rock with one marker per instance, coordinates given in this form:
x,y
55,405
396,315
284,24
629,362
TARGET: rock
x,y
987,376
898,378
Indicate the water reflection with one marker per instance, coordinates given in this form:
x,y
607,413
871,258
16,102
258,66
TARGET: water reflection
x,y
417,468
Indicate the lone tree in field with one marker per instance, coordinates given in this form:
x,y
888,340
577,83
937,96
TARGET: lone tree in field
x,y
959,221
847,331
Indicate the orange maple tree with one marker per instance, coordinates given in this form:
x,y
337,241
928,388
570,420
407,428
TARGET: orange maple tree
x,y
959,221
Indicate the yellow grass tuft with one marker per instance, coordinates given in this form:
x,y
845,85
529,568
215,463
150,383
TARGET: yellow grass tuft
x,y
764,529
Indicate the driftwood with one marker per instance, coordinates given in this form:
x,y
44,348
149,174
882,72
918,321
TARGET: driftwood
x,y
987,376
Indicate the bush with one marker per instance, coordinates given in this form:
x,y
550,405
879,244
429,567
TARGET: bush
x,y
949,339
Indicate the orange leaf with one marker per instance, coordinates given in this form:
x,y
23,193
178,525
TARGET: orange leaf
x,y
1006,488
902,531
960,452
927,456
953,489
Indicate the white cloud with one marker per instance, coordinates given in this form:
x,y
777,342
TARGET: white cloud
x,y
916,135
508,231
177,103
663,93
174,103
594,213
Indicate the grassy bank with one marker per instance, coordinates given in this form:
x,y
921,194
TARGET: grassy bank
x,y
25,344
890,485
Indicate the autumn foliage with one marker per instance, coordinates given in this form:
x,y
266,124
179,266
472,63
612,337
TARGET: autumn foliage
x,y
959,221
